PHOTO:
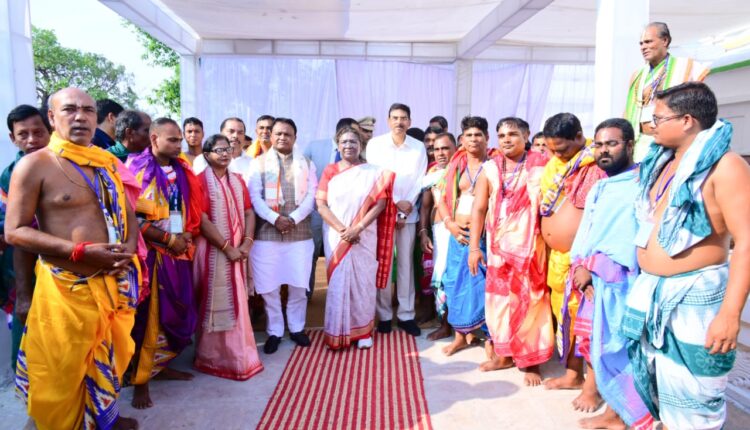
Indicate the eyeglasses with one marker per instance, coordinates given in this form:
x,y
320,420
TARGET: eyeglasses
x,y
349,143
220,151
609,144
656,120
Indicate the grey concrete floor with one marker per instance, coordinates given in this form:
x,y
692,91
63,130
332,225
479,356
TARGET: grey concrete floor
x,y
458,396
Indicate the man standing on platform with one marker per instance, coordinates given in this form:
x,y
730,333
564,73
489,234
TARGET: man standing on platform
x,y
168,211
567,179
106,116
192,129
661,70
76,345
517,299
282,189
131,131
684,309
406,156
262,136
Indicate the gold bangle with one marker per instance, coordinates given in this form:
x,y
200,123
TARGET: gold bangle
x,y
249,238
225,245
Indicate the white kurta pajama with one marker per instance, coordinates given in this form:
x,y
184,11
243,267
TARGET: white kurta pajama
x,y
282,259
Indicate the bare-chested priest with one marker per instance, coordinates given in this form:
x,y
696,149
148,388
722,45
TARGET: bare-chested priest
x,y
77,341
684,308
565,183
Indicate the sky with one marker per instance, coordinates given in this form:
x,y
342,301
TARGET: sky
x,y
90,26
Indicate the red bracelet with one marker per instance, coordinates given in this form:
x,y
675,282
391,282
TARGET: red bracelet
x,y
77,254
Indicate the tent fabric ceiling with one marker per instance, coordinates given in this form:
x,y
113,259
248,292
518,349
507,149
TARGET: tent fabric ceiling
x,y
381,20
561,23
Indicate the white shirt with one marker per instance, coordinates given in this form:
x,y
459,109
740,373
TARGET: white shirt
x,y
199,164
241,165
255,186
408,162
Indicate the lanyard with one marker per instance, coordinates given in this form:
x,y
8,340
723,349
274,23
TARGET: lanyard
x,y
94,185
473,181
508,183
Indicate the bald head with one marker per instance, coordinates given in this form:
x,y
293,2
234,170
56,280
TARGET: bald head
x,y
72,113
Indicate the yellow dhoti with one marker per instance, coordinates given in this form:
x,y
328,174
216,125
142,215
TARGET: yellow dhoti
x,y
558,267
75,348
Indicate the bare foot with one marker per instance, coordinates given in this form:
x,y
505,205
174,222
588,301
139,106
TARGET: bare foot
x,y
123,423
169,374
141,397
497,363
589,400
532,376
571,380
442,332
459,343
606,420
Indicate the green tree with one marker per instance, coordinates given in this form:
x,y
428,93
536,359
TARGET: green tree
x,y
57,67
167,94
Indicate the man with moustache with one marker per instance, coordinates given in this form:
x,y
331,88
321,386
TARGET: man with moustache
x,y
406,157
684,308
76,344
192,129
567,180
444,147
603,268
660,71
262,136
516,300
282,188
464,291
131,132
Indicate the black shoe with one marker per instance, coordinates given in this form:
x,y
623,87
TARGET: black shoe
x,y
272,344
385,327
300,338
410,327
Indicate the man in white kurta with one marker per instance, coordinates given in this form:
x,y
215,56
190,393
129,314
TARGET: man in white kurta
x,y
282,189
406,156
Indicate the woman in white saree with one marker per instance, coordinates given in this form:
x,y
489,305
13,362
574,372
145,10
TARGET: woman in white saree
x,y
355,201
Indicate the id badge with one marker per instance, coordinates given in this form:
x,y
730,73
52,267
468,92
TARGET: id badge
x,y
111,233
647,113
464,204
175,222
644,233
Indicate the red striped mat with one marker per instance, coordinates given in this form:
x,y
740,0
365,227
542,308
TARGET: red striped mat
x,y
379,388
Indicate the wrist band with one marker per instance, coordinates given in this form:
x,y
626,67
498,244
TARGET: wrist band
x,y
77,254
225,245
165,238
446,219
475,249
249,238
421,230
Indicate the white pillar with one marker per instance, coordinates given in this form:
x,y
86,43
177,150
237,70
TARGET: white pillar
x,y
189,68
17,82
619,26
16,87
464,71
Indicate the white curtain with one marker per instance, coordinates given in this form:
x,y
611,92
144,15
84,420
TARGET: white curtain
x,y
572,90
501,90
247,87
368,88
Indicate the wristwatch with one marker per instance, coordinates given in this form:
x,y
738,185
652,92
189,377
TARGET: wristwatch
x,y
401,216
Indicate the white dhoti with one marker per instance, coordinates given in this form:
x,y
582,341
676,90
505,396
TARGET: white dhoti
x,y
278,263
